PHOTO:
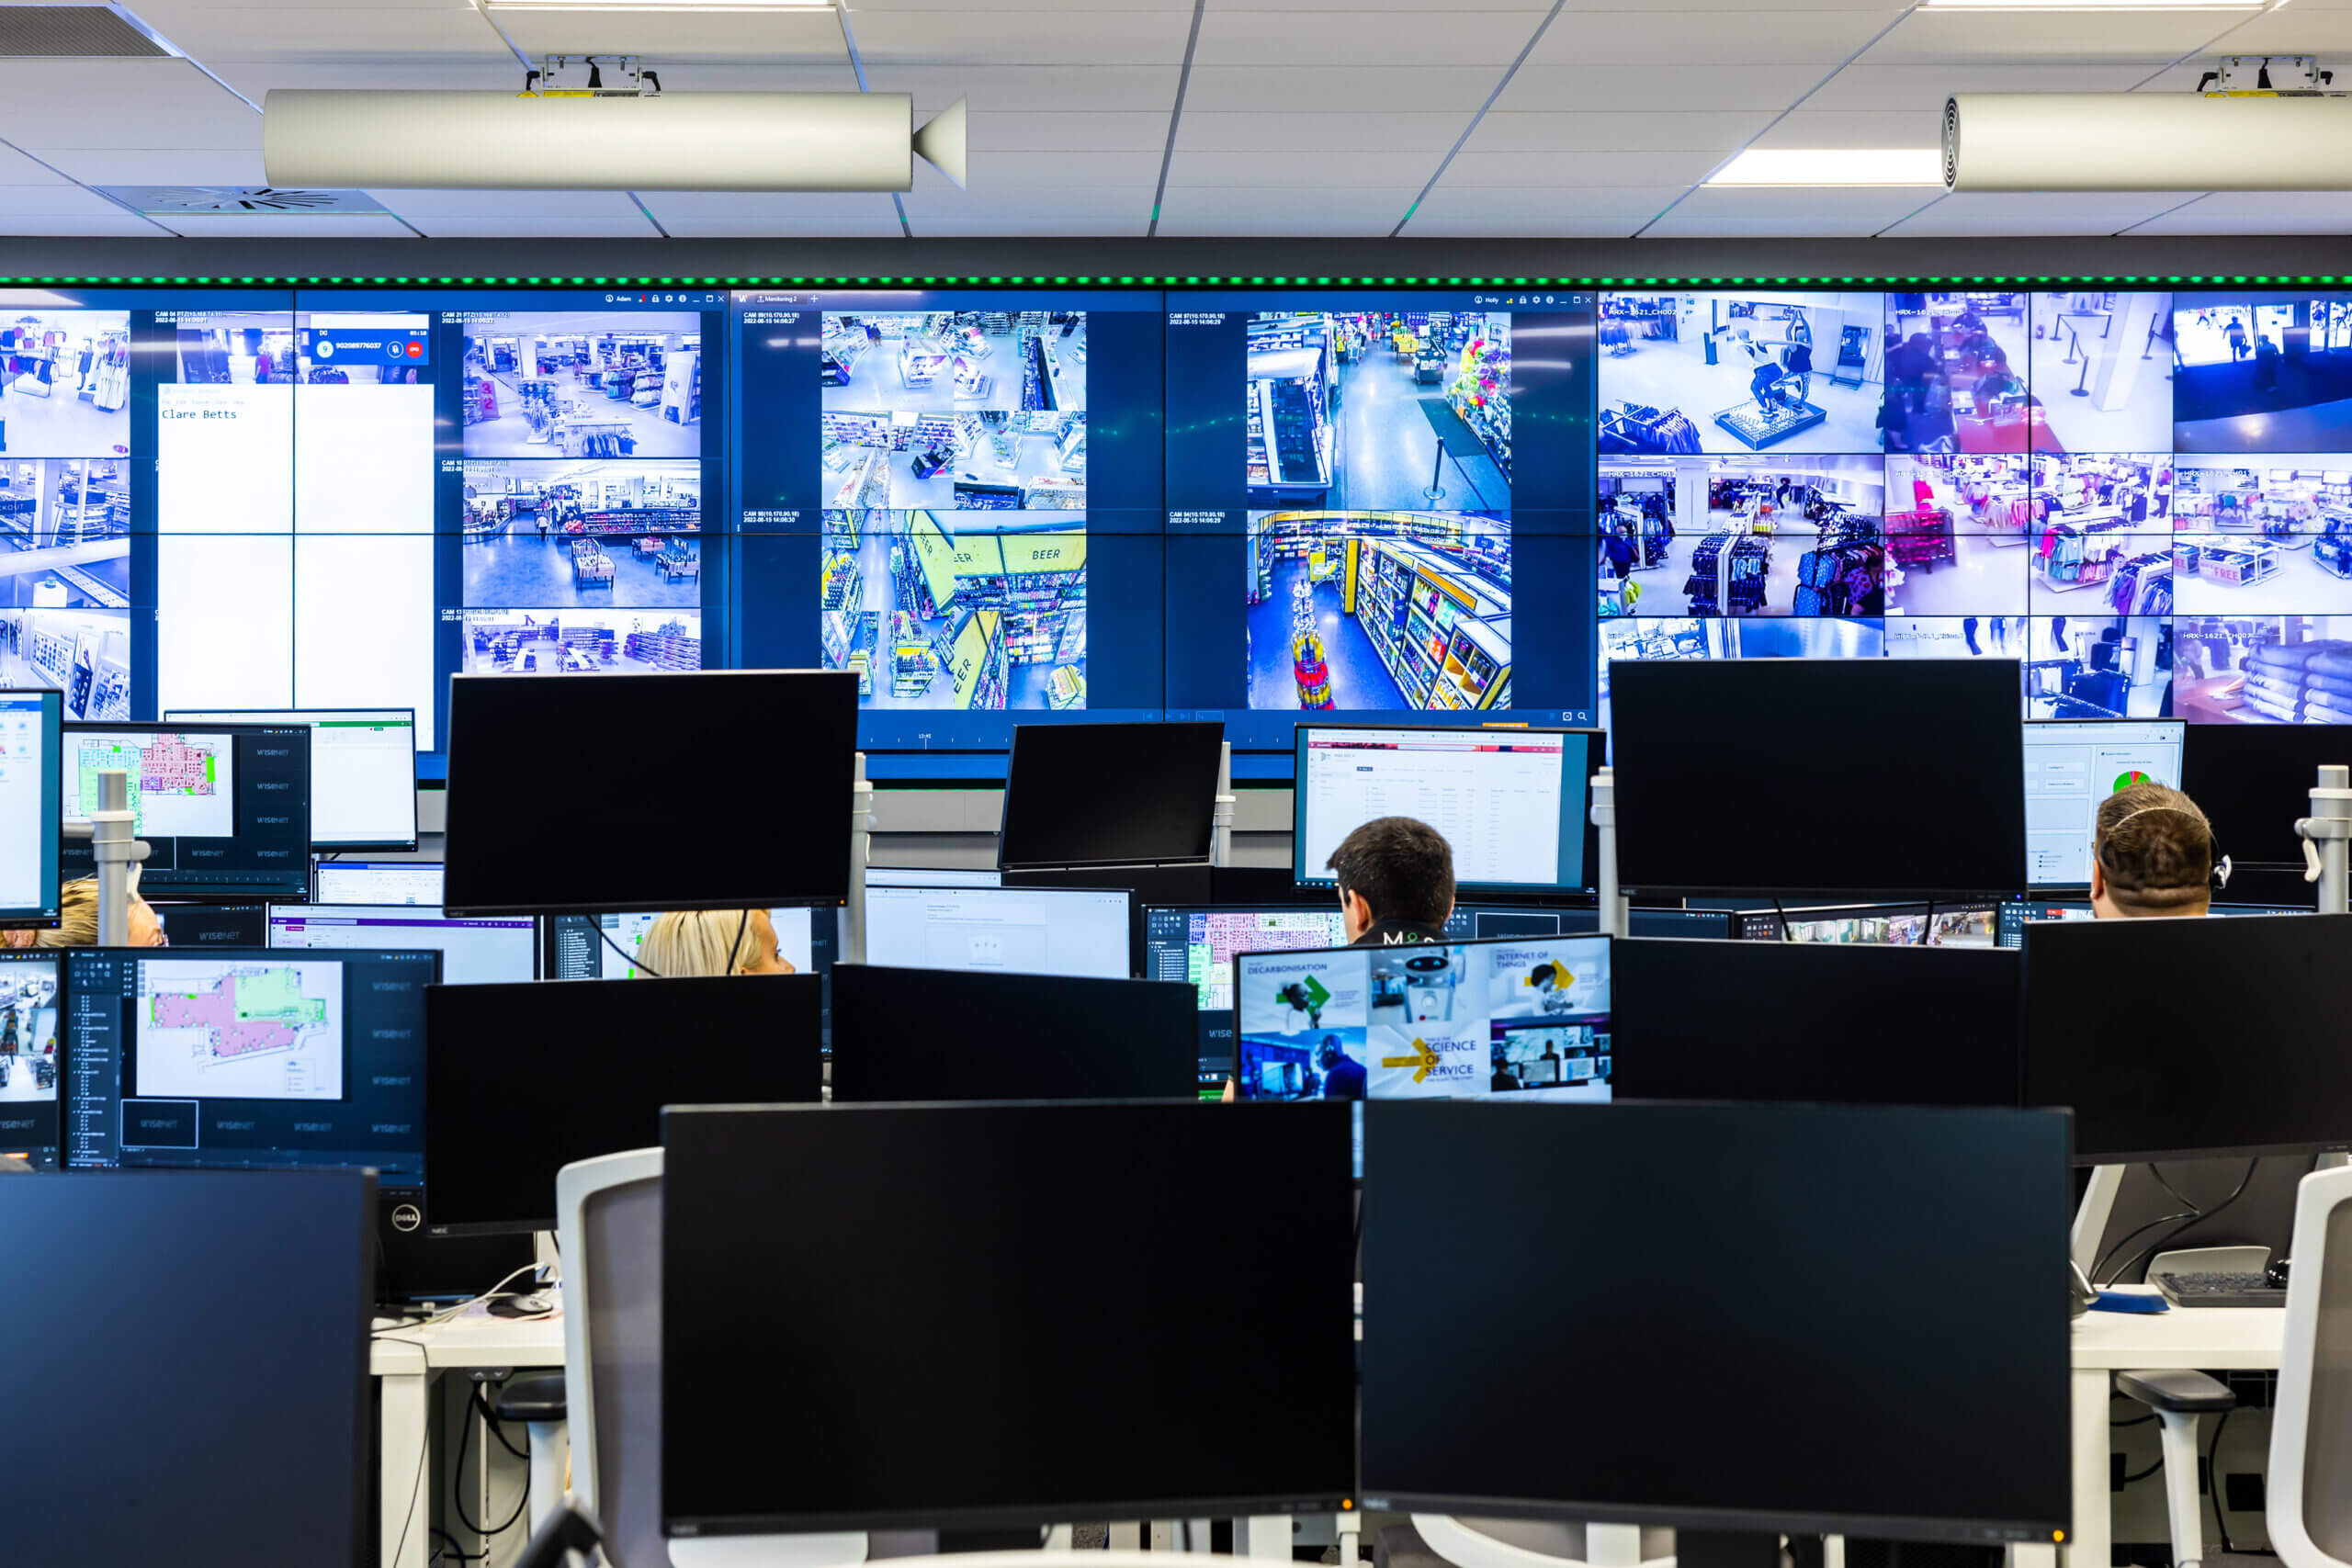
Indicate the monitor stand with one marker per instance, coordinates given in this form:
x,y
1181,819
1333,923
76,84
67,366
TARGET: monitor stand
x,y
2090,1220
832,1549
1462,1544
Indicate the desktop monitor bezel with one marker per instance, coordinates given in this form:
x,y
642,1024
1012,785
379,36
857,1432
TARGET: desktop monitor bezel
x,y
52,823
292,716
1050,732
1596,742
297,892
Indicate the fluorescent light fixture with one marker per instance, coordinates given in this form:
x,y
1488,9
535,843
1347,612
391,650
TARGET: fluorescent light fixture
x,y
1834,166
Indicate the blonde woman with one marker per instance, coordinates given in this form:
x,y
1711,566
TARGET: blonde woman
x,y
711,942
77,922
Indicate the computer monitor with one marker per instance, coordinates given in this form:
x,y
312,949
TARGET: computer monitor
x,y
2016,916
918,876
905,1034
31,761
225,810
1081,795
659,772
1145,885
2253,781
1196,944
1967,922
522,1080
487,950
582,947
1899,1263
363,771
1514,804
377,882
189,923
246,1058
963,1381
1810,776
244,1282
31,1005
2180,1039
2071,767
1803,1022
1485,921
1527,1017
1024,931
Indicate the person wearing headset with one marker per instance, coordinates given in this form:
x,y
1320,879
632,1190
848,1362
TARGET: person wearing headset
x,y
2153,856
712,941
1396,878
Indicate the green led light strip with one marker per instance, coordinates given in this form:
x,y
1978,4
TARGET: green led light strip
x,y
1146,281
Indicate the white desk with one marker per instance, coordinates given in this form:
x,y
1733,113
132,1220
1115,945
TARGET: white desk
x,y
404,1364
2184,1339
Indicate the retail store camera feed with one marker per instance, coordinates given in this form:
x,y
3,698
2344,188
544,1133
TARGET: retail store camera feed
x,y
504,855
1713,767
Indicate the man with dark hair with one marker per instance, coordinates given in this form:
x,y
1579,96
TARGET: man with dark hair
x,y
1395,879
2153,856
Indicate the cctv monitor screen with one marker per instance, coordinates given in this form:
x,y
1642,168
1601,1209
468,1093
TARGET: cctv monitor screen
x,y
945,1034
377,882
2177,1039
487,950
1026,930
2070,768
256,1057
31,755
225,810
1818,775
960,1384
1079,794
363,772
763,758
1689,1011
31,1006
1513,803
1969,923
1946,1420
503,1115
2254,781
1529,1019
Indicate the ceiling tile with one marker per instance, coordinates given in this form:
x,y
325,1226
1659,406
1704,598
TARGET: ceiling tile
x,y
1732,212
1973,214
487,73
970,36
1586,89
862,6
2257,213
309,32
1308,210
159,165
549,214
1614,212
1946,38
1632,130
55,201
1257,171
1920,127
1443,36
1532,9
1025,87
834,75
1067,210
2300,29
712,215
1345,132
1236,89
352,226
120,226
120,103
17,169
1900,87
1016,170
1100,131
1520,170
682,35
1748,37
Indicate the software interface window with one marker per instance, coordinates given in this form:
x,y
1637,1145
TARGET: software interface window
x,y
1510,807
2070,771
1027,931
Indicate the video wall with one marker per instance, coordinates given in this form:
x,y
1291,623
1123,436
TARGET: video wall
x,y
1006,505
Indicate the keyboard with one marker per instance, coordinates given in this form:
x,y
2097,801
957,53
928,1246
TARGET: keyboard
x,y
2220,1291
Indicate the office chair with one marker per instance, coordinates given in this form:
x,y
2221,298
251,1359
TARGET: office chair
x,y
2309,1507
2179,1399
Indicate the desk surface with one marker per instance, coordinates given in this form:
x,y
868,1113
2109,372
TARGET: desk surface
x,y
474,1339
2194,1339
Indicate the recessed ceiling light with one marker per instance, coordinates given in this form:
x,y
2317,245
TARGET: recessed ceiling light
x,y
1834,166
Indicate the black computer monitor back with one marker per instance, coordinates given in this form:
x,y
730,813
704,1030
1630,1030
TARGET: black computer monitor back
x,y
222,1315
2179,1038
1837,1023
1899,1267
935,1035
1818,775
523,1079
2253,781
1109,794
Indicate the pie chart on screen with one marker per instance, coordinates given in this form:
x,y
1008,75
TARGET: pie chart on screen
x,y
2126,780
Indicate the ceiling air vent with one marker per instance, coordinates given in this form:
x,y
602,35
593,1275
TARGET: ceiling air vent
x,y
162,201
72,32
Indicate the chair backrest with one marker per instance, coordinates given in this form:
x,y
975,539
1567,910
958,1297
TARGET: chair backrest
x,y
2310,1512
609,1225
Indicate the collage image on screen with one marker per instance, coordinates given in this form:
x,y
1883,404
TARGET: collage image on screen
x,y
2144,498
